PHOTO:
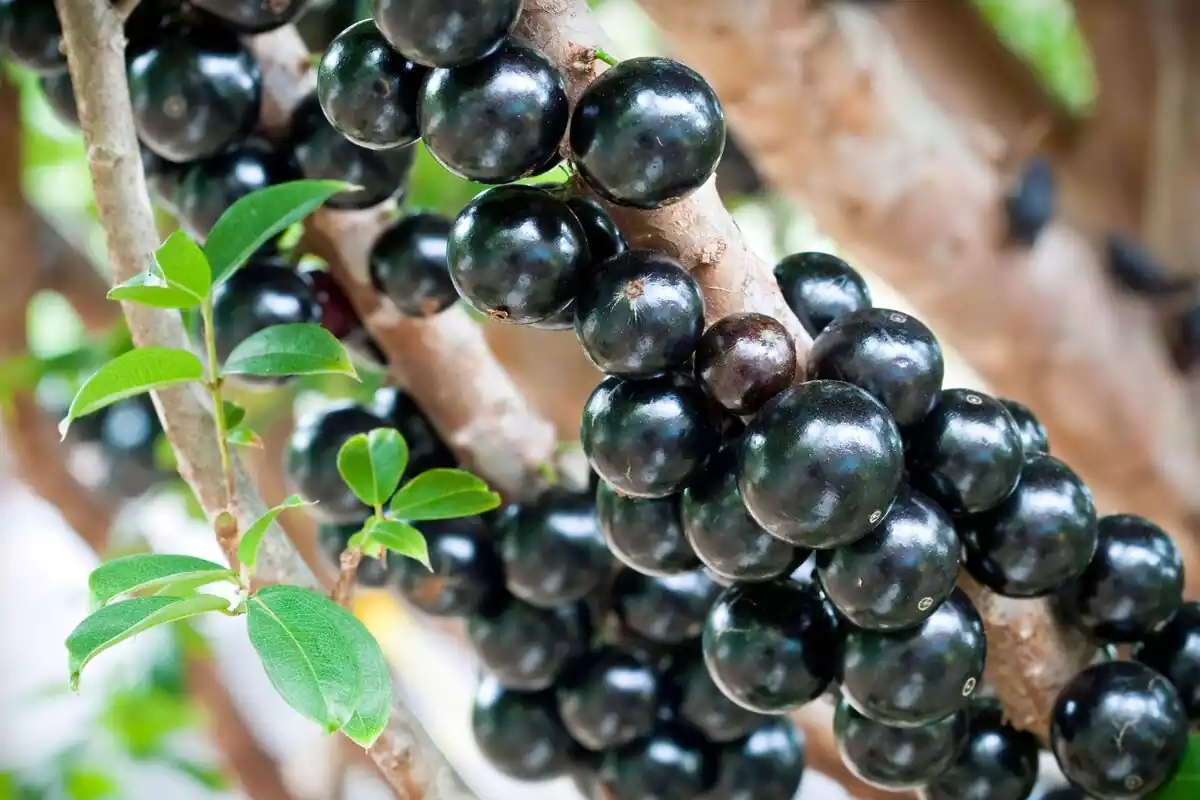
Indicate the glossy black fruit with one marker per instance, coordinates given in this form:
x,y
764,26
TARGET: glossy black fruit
x,y
998,762
820,464
966,454
647,132
61,96
669,610
819,288
426,450
889,354
1175,652
446,33
311,461
649,438
643,534
195,92
323,153
332,539
603,238
639,314
897,758
608,700
526,647
700,703
1030,201
320,24
1119,730
254,16
210,186
771,647
337,312
31,35
724,535
519,733
1133,585
517,253
744,360
1034,438
128,432
675,763
498,119
258,296
1064,793
1136,270
768,763
736,174
913,677
408,264
553,548
467,573
1039,538
368,91
900,572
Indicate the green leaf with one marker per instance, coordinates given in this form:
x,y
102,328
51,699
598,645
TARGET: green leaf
x,y
147,572
282,350
371,464
234,413
400,537
136,372
242,436
150,290
252,539
443,494
117,622
254,219
1186,783
184,266
305,654
82,782
375,706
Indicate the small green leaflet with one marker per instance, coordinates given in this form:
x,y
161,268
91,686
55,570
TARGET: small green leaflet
x,y
183,265
443,494
259,216
117,622
133,373
252,539
305,654
283,350
375,706
371,464
242,436
1186,783
234,413
148,572
150,290
399,537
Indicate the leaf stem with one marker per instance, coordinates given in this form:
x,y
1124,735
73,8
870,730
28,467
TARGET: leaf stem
x,y
606,57
214,389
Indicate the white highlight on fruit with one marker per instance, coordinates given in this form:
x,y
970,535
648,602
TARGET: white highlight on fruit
x,y
925,604
968,687
974,399
876,515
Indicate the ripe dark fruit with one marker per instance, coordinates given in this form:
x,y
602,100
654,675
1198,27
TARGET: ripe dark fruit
x,y
426,450
526,647
369,91
998,762
897,758
1042,536
31,35
498,119
371,573
644,535
1136,270
889,354
195,92
128,431
1175,652
819,288
61,95
699,702
647,132
639,314
208,187
736,174
767,763
900,572
724,535
519,733
320,24
337,313
675,763
562,321
1119,730
254,16
311,461
323,153
820,464
1030,201
648,438
913,677
408,264
258,296
1034,438
467,573
445,33
744,360
608,700
603,238
553,548
771,647
967,453
669,610
516,254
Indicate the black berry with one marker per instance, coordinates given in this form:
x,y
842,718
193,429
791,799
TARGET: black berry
x,y
674,763
603,237
819,288
311,461
913,677
1185,346
767,763
1175,652
408,264
1136,270
1119,730
498,119
324,20
609,700
31,35
736,174
897,758
128,432
256,297
467,574
519,733
998,762
337,312
526,647
647,132
208,187
744,360
445,33
639,314
1034,438
669,609
820,464
516,254
644,534
1042,536
700,703
1030,201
